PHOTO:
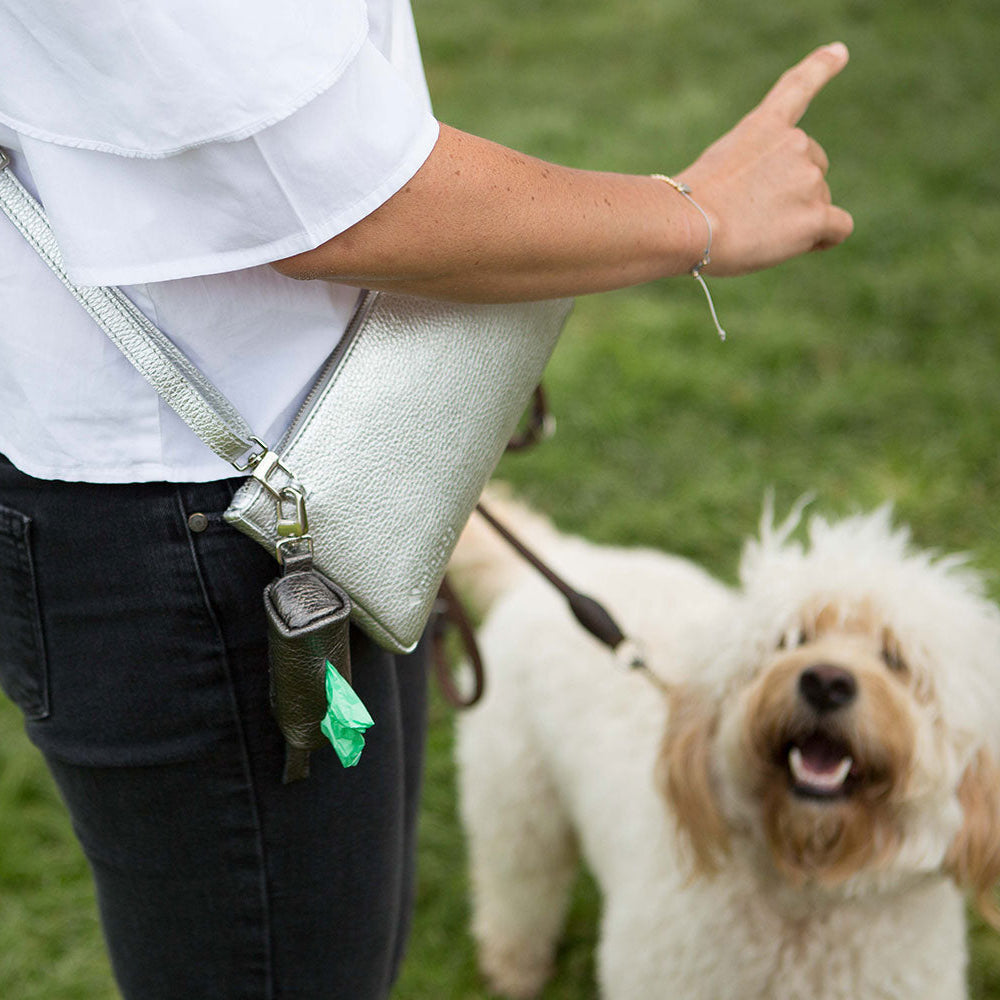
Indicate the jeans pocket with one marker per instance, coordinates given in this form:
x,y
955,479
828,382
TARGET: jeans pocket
x,y
23,671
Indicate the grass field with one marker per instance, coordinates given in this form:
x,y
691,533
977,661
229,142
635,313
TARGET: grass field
x,y
865,374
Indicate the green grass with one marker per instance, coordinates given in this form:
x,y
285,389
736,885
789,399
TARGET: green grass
x,y
865,374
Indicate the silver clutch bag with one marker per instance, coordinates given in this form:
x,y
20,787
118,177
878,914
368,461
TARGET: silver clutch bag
x,y
393,446
384,463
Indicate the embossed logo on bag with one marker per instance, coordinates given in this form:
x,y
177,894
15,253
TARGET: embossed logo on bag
x,y
437,559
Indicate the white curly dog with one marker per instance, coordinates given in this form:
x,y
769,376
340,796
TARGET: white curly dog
x,y
792,809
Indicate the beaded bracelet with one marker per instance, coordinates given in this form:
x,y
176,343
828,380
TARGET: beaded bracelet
x,y
695,271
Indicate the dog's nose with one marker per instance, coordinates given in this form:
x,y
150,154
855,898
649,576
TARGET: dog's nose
x,y
827,688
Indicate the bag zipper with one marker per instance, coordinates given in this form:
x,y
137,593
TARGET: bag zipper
x,y
330,366
292,529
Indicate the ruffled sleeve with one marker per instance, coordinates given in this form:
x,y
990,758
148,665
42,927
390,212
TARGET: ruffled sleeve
x,y
152,79
210,137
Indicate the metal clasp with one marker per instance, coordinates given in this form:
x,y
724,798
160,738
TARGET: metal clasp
x,y
293,523
294,540
4,159
252,457
290,500
294,549
262,464
264,467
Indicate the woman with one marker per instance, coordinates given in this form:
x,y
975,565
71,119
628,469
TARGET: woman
x,y
203,158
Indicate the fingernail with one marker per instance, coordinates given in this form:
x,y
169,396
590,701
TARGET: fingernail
x,y
838,49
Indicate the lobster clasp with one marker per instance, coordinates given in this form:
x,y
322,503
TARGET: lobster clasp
x,y
292,520
294,545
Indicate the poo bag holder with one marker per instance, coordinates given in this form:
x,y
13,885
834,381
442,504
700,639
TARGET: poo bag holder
x,y
308,623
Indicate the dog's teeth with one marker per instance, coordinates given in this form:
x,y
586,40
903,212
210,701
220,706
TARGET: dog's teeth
x,y
823,781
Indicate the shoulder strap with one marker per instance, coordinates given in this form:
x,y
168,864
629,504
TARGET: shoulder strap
x,y
167,369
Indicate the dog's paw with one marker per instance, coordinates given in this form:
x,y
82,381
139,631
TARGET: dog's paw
x,y
516,969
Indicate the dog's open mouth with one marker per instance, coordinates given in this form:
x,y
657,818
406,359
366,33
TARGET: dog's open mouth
x,y
820,766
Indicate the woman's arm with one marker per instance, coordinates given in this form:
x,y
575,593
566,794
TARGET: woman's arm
x,y
480,222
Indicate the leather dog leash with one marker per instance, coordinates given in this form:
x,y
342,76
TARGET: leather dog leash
x,y
591,614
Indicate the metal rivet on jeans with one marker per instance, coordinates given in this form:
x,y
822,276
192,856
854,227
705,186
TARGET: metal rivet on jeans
x,y
197,522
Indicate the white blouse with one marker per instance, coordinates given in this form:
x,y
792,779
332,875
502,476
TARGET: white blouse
x,y
177,148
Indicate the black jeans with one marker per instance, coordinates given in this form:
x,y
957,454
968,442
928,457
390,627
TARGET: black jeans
x,y
134,643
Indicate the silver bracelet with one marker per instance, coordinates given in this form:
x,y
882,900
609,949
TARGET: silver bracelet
x,y
706,258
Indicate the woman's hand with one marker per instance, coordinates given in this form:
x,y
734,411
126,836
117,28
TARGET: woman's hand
x,y
763,184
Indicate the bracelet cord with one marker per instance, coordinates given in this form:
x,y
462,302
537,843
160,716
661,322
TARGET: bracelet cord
x,y
695,272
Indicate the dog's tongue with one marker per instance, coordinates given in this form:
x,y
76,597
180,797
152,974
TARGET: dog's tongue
x,y
819,765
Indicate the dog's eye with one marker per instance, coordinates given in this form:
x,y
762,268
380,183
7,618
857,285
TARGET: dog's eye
x,y
891,655
894,661
793,639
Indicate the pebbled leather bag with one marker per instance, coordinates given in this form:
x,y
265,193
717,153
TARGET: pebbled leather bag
x,y
393,446
374,479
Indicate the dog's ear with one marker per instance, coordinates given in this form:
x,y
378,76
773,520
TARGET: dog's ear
x,y
974,856
685,774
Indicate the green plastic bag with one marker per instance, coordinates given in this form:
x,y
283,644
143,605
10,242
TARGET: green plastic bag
x,y
346,719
